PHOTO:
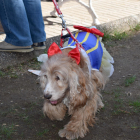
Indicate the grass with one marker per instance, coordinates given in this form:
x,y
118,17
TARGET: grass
x,y
106,92
135,104
120,35
130,80
107,36
41,133
134,126
118,106
8,73
137,27
117,93
115,36
119,111
8,111
6,131
24,116
33,105
15,71
2,74
120,101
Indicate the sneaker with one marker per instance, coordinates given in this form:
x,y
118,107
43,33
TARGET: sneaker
x,y
6,47
39,46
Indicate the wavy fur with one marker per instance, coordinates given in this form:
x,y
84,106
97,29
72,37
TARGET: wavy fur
x,y
72,88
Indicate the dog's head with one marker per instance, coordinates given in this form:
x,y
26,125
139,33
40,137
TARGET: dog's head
x,y
60,75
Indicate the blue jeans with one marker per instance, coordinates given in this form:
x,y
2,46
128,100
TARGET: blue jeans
x,y
22,22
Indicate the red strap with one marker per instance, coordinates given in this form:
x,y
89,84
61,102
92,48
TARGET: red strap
x,y
56,7
72,36
60,13
62,40
92,30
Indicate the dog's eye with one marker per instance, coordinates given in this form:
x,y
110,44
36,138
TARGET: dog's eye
x,y
45,76
57,78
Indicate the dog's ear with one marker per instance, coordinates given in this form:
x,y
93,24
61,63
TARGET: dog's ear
x,y
77,84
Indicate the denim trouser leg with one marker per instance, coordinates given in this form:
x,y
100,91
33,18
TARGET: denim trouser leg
x,y
14,18
36,23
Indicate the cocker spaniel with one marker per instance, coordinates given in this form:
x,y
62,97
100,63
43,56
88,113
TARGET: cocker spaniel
x,y
72,79
72,87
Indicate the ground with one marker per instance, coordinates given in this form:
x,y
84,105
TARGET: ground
x,y
21,100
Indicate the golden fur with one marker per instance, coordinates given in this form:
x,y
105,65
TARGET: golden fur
x,y
73,88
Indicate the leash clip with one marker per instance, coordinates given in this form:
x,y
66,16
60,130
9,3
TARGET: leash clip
x,y
63,21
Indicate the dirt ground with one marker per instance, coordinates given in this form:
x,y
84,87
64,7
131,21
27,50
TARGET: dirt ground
x,y
21,100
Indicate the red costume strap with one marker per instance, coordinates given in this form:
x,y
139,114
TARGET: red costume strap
x,y
92,30
62,40
72,36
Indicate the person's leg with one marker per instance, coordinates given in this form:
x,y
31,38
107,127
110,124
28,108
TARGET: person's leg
x,y
36,23
15,22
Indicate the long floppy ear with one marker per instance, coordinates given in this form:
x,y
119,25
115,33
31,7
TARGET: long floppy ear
x,y
77,84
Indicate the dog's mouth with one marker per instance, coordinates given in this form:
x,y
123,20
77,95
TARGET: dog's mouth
x,y
53,102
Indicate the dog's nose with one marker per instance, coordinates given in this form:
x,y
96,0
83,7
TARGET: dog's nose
x,y
47,96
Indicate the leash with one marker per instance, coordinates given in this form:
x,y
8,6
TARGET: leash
x,y
64,27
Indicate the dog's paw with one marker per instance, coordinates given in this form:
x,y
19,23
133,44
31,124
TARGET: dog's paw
x,y
68,134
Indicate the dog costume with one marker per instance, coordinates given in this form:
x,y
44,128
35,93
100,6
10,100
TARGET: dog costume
x,y
93,50
91,45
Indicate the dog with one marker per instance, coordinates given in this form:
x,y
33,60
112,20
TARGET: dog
x,y
88,7
72,85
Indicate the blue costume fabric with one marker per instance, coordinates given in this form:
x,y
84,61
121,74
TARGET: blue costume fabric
x,y
92,45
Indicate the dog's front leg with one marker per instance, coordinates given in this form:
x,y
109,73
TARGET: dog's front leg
x,y
78,125
54,112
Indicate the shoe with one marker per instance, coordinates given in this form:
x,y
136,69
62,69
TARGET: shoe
x,y
39,46
6,47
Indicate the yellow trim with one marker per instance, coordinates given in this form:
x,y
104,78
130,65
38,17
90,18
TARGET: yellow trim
x,y
75,37
94,48
85,39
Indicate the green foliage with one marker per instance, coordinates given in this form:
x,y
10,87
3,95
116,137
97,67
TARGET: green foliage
x,y
41,133
107,36
119,36
135,104
6,131
130,80
119,111
137,28
2,74
115,36
117,92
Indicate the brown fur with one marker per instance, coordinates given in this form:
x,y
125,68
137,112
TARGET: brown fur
x,y
80,90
